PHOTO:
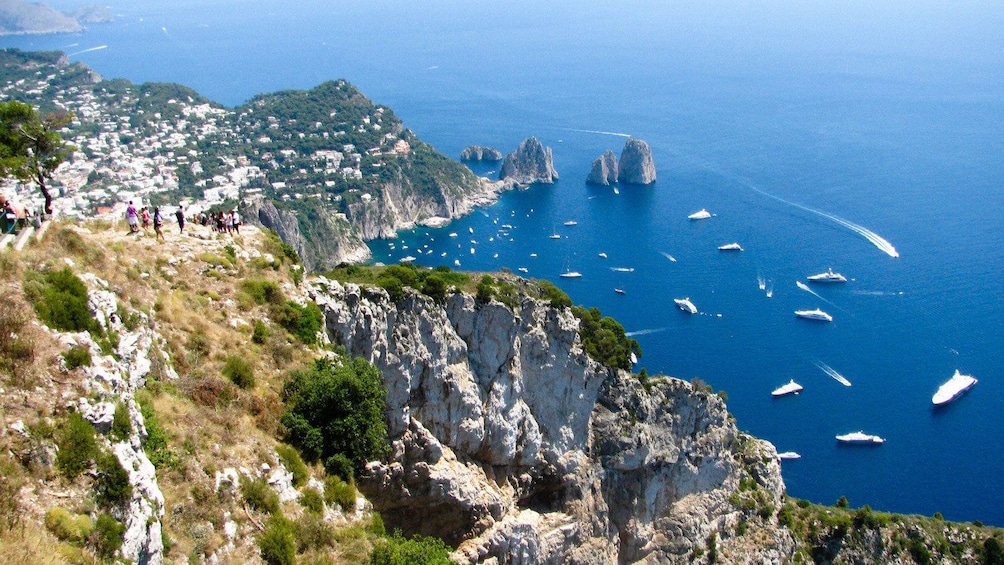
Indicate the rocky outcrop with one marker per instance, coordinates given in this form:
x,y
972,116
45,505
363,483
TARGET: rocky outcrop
x,y
636,166
511,443
480,153
604,171
530,163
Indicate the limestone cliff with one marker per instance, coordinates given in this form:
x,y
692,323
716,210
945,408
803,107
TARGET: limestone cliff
x,y
637,165
604,171
511,442
530,163
480,153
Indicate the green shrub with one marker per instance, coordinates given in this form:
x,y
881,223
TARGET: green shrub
x,y
604,339
291,459
554,295
121,423
155,444
111,485
259,495
418,550
302,321
240,371
77,447
60,300
393,286
277,543
106,537
334,407
435,288
485,289
340,466
312,532
337,491
77,356
993,552
259,334
312,500
842,502
919,551
17,344
262,291
68,527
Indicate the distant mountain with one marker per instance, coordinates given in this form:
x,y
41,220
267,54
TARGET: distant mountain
x,y
20,17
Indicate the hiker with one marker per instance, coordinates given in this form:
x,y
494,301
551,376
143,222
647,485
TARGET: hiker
x,y
158,223
180,214
132,218
144,216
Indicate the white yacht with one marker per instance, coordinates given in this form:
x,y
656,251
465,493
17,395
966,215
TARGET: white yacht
x,y
554,236
603,255
701,214
730,247
407,259
816,314
686,305
953,389
571,223
570,275
788,455
828,277
622,269
860,438
619,291
791,388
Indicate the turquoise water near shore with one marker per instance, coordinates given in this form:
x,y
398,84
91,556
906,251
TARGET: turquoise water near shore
x,y
885,117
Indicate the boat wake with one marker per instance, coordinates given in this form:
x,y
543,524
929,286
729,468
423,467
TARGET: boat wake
x,y
761,282
598,132
98,48
876,293
874,238
833,373
668,256
644,332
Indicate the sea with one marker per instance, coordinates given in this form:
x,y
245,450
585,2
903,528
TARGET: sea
x,y
862,136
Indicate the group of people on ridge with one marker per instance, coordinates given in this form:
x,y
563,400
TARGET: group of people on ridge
x,y
136,217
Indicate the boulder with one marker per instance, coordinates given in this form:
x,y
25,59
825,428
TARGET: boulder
x,y
531,163
604,171
480,153
636,166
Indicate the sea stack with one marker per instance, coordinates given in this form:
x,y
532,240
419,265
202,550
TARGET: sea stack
x,y
604,171
530,163
636,166
480,153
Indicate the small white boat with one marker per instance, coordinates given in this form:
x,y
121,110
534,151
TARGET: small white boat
x,y
701,214
954,388
453,234
816,314
533,255
523,270
686,305
791,388
730,247
619,291
828,277
788,455
571,223
554,236
471,230
407,259
456,262
603,255
634,358
860,438
622,269
570,275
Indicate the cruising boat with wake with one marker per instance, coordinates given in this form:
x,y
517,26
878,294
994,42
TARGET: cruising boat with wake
x,y
816,314
730,247
686,305
791,388
860,438
953,388
701,214
828,277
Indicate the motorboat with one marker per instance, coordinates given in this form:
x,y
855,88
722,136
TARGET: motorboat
x,y
954,388
570,275
603,255
407,259
828,277
701,214
816,314
571,223
788,455
730,247
523,270
860,438
554,236
686,305
791,388
619,291
622,269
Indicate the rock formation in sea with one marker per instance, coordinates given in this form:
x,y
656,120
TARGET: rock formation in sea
x,y
604,171
480,153
530,163
509,441
636,165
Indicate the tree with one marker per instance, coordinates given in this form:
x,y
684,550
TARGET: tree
x,y
30,147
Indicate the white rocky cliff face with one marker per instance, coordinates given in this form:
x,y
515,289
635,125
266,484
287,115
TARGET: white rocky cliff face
x,y
511,443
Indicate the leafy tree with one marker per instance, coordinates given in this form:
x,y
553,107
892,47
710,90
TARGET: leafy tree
x,y
336,407
30,147
418,550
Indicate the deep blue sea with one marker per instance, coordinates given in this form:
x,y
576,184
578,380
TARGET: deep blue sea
x,y
803,126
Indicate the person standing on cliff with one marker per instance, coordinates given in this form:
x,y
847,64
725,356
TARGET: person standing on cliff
x,y
180,214
132,218
158,223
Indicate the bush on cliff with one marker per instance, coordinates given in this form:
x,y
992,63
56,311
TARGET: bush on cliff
x,y
336,407
60,300
604,339
398,550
